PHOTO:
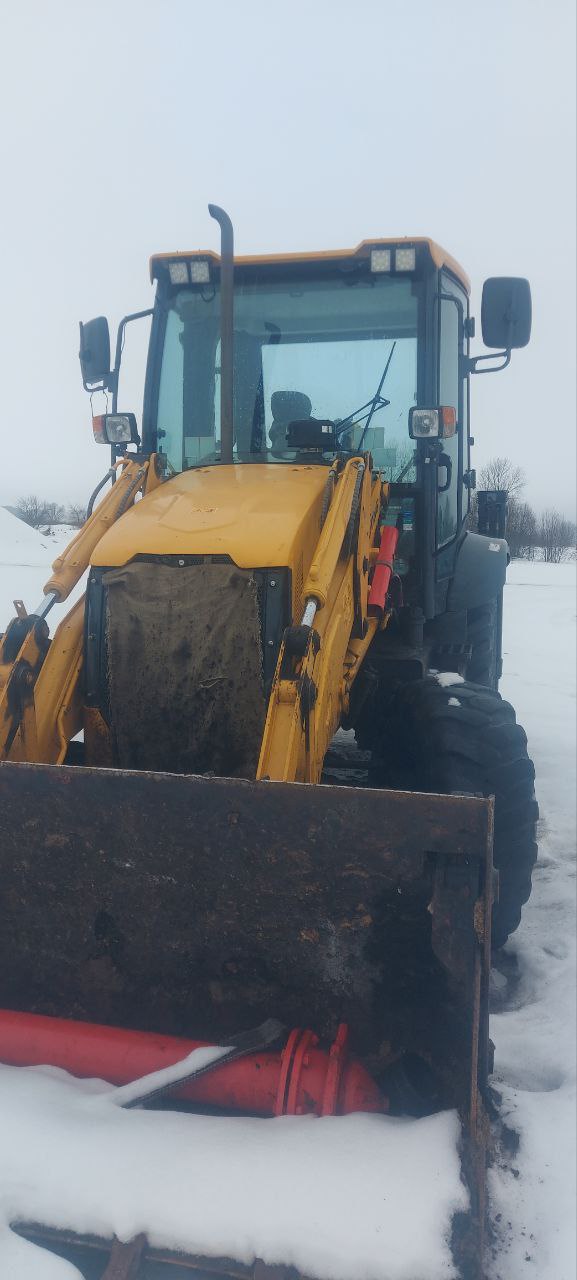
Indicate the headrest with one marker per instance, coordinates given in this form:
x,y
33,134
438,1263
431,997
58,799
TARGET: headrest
x,y
288,405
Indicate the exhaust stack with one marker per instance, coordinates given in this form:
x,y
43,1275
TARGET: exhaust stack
x,y
226,330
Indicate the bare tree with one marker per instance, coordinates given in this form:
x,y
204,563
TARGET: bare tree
x,y
53,513
76,515
521,530
556,536
498,473
501,473
472,521
397,460
32,510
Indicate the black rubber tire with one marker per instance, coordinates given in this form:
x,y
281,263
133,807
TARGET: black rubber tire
x,y
482,637
465,738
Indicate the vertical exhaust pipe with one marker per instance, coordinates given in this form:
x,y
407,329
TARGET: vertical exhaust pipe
x,y
226,330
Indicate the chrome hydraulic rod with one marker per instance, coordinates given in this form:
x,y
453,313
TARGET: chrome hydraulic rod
x,y
45,604
309,613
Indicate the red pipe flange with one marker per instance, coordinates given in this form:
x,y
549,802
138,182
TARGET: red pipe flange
x,y
300,1080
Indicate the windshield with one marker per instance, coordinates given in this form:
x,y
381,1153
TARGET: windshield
x,y
302,348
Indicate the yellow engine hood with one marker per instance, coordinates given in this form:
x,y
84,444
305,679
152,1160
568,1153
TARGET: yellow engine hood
x,y
261,515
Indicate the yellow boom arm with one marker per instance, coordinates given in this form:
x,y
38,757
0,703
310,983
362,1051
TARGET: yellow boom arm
x,y
40,705
319,659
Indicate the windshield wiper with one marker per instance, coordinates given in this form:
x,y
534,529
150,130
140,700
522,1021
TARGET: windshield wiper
x,y
371,406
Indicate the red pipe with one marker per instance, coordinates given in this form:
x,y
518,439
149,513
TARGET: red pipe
x,y
299,1080
383,569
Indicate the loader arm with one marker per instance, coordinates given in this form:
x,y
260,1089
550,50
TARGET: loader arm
x,y
319,659
40,700
53,713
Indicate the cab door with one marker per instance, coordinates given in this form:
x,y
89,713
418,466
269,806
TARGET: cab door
x,y
452,494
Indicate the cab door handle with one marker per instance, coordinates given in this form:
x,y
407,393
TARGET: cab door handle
x,y
445,461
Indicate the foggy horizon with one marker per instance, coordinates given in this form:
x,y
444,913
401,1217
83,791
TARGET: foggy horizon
x,y
312,134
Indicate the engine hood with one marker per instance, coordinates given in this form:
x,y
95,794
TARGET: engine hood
x,y
261,515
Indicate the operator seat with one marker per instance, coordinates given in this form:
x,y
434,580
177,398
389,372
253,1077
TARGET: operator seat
x,y
286,406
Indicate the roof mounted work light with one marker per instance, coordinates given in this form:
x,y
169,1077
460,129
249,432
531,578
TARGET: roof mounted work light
x,y
405,259
178,272
199,271
380,259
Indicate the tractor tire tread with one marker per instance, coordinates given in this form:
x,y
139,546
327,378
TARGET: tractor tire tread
x,y
477,748
482,637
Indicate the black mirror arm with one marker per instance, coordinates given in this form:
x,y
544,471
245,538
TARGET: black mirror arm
x,y
112,383
471,362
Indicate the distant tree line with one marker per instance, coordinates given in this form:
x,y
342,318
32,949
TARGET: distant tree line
x,y
549,536
41,514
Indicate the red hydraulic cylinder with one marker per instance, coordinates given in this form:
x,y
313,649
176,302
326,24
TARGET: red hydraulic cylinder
x,y
301,1079
383,569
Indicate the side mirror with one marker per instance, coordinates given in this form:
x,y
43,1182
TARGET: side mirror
x,y
506,312
95,352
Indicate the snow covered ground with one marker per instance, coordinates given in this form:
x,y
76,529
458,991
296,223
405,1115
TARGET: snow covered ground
x,y
280,1189
25,560
370,1225
533,1188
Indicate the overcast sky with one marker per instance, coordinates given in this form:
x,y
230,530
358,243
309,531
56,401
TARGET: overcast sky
x,y
316,123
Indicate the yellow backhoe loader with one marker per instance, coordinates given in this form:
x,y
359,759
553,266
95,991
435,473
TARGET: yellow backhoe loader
x,y
190,841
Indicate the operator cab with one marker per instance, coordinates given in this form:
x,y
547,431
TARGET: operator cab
x,y
315,357
311,342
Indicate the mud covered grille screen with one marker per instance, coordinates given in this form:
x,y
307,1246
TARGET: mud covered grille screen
x,y
185,679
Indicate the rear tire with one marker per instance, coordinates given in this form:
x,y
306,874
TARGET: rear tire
x,y
482,637
465,738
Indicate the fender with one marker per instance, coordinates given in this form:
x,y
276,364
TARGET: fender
x,y
480,571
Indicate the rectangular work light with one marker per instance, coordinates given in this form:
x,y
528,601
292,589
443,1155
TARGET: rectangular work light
x,y
405,259
199,271
430,423
380,259
178,272
115,428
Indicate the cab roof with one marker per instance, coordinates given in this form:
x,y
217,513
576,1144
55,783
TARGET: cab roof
x,y
437,254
